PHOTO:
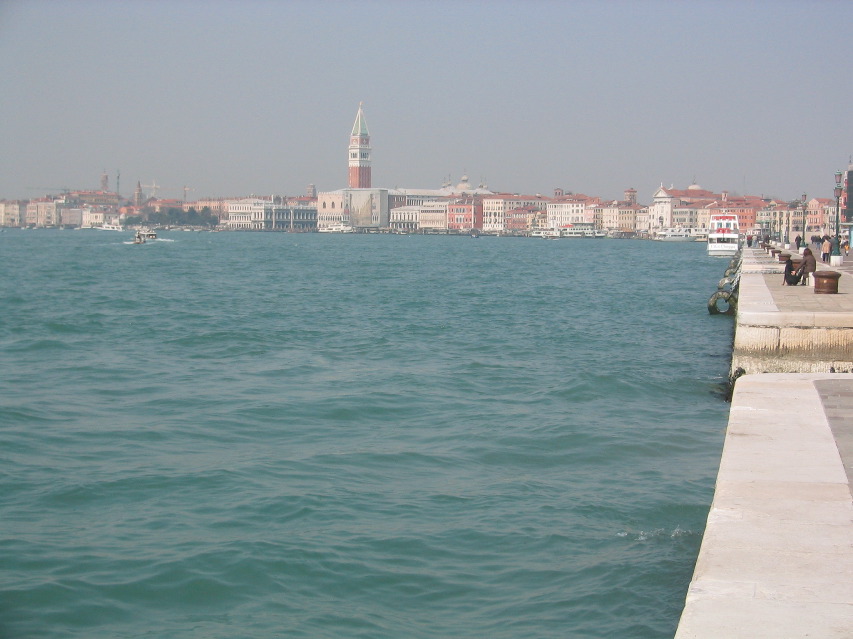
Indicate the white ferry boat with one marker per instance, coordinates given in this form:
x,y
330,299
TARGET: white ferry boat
x,y
673,235
547,234
681,235
336,228
723,235
582,230
110,227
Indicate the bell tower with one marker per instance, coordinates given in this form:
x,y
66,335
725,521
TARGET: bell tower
x,y
359,152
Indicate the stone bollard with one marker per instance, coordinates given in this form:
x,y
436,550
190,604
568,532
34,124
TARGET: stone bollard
x,y
826,281
774,252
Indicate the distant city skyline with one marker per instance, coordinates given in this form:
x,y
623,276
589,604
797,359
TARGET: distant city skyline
x,y
229,99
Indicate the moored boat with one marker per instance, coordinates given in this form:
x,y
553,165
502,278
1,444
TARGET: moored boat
x,y
723,235
336,228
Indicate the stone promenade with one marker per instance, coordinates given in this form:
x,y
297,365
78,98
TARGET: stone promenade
x,y
784,329
776,559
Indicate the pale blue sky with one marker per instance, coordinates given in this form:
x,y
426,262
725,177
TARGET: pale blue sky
x,y
241,97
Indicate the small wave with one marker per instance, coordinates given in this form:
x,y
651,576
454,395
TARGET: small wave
x,y
657,533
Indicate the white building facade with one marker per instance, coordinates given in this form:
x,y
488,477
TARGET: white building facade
x,y
495,208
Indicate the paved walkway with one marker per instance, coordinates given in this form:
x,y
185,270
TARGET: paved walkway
x,y
784,329
803,298
777,555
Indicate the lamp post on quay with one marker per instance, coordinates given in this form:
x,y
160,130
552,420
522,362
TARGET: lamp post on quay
x,y
835,258
787,227
805,241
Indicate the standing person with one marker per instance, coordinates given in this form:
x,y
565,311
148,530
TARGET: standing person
x,y
825,248
798,240
808,267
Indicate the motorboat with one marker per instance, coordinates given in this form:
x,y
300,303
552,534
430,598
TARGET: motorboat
x,y
110,227
723,235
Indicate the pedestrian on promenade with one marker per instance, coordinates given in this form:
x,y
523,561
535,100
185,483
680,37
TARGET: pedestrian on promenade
x,y
825,248
798,240
808,266
792,278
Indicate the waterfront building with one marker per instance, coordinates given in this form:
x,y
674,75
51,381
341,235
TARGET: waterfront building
x,y
665,200
826,215
43,212
13,213
91,217
691,215
298,215
570,209
71,217
359,153
524,219
619,216
404,219
777,218
272,214
98,215
359,208
367,208
495,208
246,214
330,209
432,216
815,208
465,214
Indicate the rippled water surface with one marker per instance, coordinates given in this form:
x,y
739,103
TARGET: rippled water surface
x,y
268,435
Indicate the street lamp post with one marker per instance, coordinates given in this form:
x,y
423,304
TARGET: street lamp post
x,y
788,227
835,254
805,242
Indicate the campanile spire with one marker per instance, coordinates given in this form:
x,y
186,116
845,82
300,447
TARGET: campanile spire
x,y
359,152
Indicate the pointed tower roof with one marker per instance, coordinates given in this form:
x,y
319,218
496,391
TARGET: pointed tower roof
x,y
359,127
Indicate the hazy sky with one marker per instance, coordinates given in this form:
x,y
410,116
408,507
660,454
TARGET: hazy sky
x,y
241,97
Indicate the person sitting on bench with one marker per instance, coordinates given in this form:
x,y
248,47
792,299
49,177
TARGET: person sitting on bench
x,y
808,266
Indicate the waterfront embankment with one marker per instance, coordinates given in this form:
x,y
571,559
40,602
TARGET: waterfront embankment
x,y
790,329
777,554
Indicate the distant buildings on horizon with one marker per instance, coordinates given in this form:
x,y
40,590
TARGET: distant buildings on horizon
x,y
452,208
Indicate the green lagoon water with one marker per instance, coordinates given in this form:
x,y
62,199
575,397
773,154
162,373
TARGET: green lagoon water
x,y
277,435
